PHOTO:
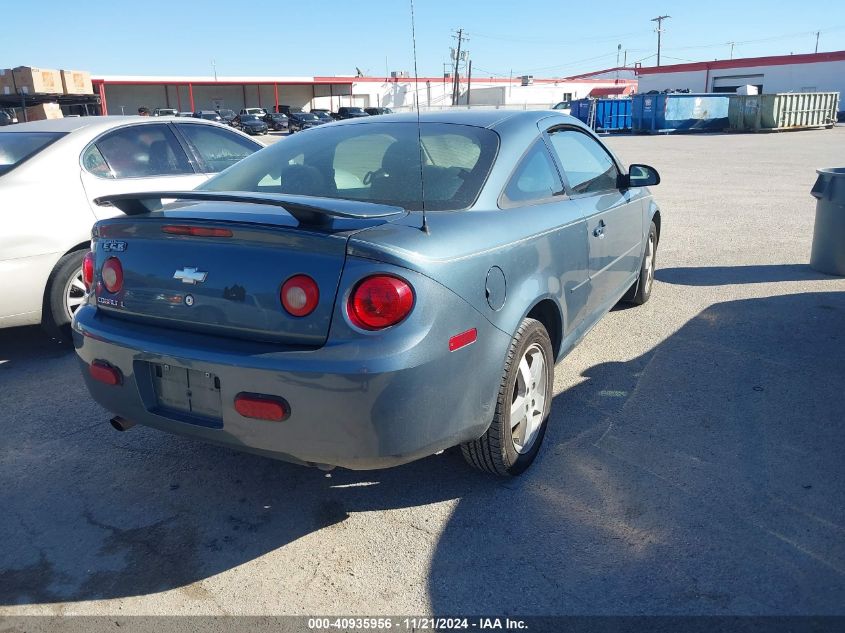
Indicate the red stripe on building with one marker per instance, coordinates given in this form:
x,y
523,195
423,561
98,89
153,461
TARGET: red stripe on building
x,y
746,62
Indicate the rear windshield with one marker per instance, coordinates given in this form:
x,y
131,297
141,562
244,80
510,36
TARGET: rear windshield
x,y
16,147
372,162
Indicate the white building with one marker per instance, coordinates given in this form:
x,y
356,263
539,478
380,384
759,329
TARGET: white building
x,y
125,94
817,72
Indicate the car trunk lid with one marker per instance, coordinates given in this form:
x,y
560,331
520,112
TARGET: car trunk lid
x,y
218,268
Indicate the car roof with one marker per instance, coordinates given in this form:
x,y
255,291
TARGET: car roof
x,y
93,123
480,118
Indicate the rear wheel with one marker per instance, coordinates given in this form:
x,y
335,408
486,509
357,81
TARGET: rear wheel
x,y
65,293
640,292
513,440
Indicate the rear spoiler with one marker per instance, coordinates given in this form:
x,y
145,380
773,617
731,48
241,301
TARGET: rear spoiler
x,y
308,210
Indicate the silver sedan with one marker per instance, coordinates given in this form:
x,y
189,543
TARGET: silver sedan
x,y
50,174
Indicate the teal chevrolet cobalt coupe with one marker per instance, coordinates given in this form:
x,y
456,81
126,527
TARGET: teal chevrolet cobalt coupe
x,y
368,292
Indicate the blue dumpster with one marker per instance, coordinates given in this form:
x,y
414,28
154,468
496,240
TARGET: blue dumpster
x,y
580,109
611,114
679,112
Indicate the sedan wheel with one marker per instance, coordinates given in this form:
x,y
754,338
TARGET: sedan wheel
x,y
74,294
64,295
513,439
529,399
640,292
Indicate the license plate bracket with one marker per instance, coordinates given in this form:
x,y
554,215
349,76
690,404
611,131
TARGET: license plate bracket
x,y
186,391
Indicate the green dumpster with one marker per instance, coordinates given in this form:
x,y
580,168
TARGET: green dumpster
x,y
828,253
782,111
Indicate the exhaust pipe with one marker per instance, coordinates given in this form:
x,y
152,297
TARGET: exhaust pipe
x,y
121,424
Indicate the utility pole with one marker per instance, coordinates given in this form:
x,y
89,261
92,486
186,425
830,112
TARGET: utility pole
x,y
732,49
618,50
659,19
817,40
214,67
455,84
469,81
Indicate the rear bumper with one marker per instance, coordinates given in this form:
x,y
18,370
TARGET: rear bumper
x,y
360,401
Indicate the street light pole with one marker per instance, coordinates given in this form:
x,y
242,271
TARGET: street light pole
x,y
659,19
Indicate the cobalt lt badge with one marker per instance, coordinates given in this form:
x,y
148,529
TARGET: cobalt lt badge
x,y
189,300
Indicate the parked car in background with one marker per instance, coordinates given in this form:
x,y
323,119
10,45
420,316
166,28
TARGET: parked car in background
x,y
7,118
257,111
324,115
50,174
276,121
349,113
286,109
184,114
377,111
165,112
251,124
565,107
354,308
228,116
298,121
208,115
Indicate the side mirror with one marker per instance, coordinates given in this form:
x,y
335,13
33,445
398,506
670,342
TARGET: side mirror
x,y
643,176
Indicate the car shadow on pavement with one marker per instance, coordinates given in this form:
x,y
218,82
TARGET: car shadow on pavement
x,y
731,275
704,477
91,513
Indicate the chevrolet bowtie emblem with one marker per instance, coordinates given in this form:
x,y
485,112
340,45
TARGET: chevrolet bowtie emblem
x,y
190,276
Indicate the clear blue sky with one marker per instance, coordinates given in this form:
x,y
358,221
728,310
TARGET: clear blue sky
x,y
331,37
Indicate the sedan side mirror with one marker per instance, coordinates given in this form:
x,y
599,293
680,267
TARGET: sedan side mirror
x,y
642,176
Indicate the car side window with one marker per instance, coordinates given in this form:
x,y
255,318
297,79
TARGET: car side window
x,y
535,179
94,163
139,151
218,147
586,164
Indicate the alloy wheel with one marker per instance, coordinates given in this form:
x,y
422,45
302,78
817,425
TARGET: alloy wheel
x,y
74,293
528,404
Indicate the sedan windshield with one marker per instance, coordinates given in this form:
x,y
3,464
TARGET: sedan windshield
x,y
16,147
378,162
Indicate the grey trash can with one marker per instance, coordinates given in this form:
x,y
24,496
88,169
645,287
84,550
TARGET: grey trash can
x,y
828,254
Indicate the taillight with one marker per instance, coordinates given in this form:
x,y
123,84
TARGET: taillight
x,y
112,275
105,373
380,301
300,295
195,231
88,270
261,407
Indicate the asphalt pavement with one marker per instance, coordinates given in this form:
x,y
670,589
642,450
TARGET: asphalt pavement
x,y
693,464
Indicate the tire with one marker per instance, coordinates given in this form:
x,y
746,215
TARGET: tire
x,y
640,292
507,449
63,295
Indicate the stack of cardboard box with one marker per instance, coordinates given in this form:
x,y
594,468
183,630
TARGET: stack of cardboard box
x,y
27,80
44,82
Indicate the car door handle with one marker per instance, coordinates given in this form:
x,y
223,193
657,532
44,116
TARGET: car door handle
x,y
599,230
